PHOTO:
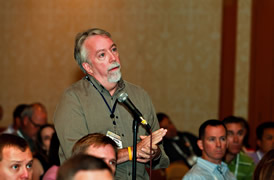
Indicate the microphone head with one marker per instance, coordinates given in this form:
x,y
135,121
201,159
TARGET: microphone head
x,y
122,97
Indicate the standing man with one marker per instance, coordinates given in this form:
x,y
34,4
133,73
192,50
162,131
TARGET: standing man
x,y
90,105
32,118
265,140
15,158
212,142
239,163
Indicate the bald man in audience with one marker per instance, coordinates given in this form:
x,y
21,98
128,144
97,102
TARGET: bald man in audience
x,y
32,118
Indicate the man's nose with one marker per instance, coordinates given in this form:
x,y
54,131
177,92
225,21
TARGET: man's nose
x,y
235,138
112,57
25,174
218,143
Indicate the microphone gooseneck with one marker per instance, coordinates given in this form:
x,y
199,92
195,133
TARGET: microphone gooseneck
x,y
124,99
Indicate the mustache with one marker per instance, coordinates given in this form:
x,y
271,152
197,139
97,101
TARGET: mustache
x,y
114,65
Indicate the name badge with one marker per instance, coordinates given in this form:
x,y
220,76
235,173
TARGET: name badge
x,y
116,138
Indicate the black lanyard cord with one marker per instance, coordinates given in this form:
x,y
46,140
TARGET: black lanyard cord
x,y
114,106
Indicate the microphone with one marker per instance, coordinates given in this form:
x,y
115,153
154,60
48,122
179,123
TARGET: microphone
x,y
124,99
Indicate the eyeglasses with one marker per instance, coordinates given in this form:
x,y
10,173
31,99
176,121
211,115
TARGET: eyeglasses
x,y
33,123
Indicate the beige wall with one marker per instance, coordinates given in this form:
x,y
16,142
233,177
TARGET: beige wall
x,y
169,47
242,58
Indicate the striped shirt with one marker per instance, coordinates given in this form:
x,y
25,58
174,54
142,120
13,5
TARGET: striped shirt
x,y
205,170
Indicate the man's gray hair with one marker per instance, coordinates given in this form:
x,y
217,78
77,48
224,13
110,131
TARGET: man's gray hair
x,y
80,52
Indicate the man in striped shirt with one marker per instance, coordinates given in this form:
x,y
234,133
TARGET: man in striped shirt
x,y
212,142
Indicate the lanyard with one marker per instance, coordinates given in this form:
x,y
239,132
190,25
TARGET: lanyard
x,y
259,155
114,106
191,160
237,165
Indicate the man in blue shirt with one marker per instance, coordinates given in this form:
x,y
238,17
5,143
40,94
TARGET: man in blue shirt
x,y
212,142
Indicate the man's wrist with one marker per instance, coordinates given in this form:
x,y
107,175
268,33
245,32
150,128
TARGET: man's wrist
x,y
129,153
158,155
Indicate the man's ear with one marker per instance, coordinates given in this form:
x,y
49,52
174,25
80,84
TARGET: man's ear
x,y
200,144
87,67
25,121
259,142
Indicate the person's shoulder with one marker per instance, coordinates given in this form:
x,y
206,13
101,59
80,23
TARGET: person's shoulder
x,y
78,86
130,85
194,173
244,157
134,89
246,160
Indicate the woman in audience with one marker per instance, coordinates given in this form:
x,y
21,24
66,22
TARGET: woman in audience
x,y
41,159
53,159
265,168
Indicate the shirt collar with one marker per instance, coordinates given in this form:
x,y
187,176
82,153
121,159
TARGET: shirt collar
x,y
102,89
212,167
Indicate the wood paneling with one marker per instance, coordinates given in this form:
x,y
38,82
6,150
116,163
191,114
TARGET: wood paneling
x,y
261,98
228,54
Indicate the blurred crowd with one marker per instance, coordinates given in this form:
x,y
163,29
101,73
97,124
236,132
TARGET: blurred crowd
x,y
220,151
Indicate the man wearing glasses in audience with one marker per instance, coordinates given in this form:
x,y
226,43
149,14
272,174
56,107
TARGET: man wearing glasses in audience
x,y
32,118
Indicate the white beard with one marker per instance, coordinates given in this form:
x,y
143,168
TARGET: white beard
x,y
116,75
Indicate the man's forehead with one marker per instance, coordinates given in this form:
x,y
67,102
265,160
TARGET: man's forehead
x,y
212,130
14,153
234,126
99,150
99,146
96,41
268,130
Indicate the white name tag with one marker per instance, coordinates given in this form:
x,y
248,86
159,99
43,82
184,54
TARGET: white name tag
x,y
116,138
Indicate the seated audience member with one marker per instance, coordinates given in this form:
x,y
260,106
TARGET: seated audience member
x,y
41,159
246,146
15,158
53,159
179,146
265,140
212,141
83,166
239,163
32,118
265,168
97,145
16,119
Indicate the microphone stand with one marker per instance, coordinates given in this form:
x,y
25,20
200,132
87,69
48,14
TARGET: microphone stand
x,y
134,159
